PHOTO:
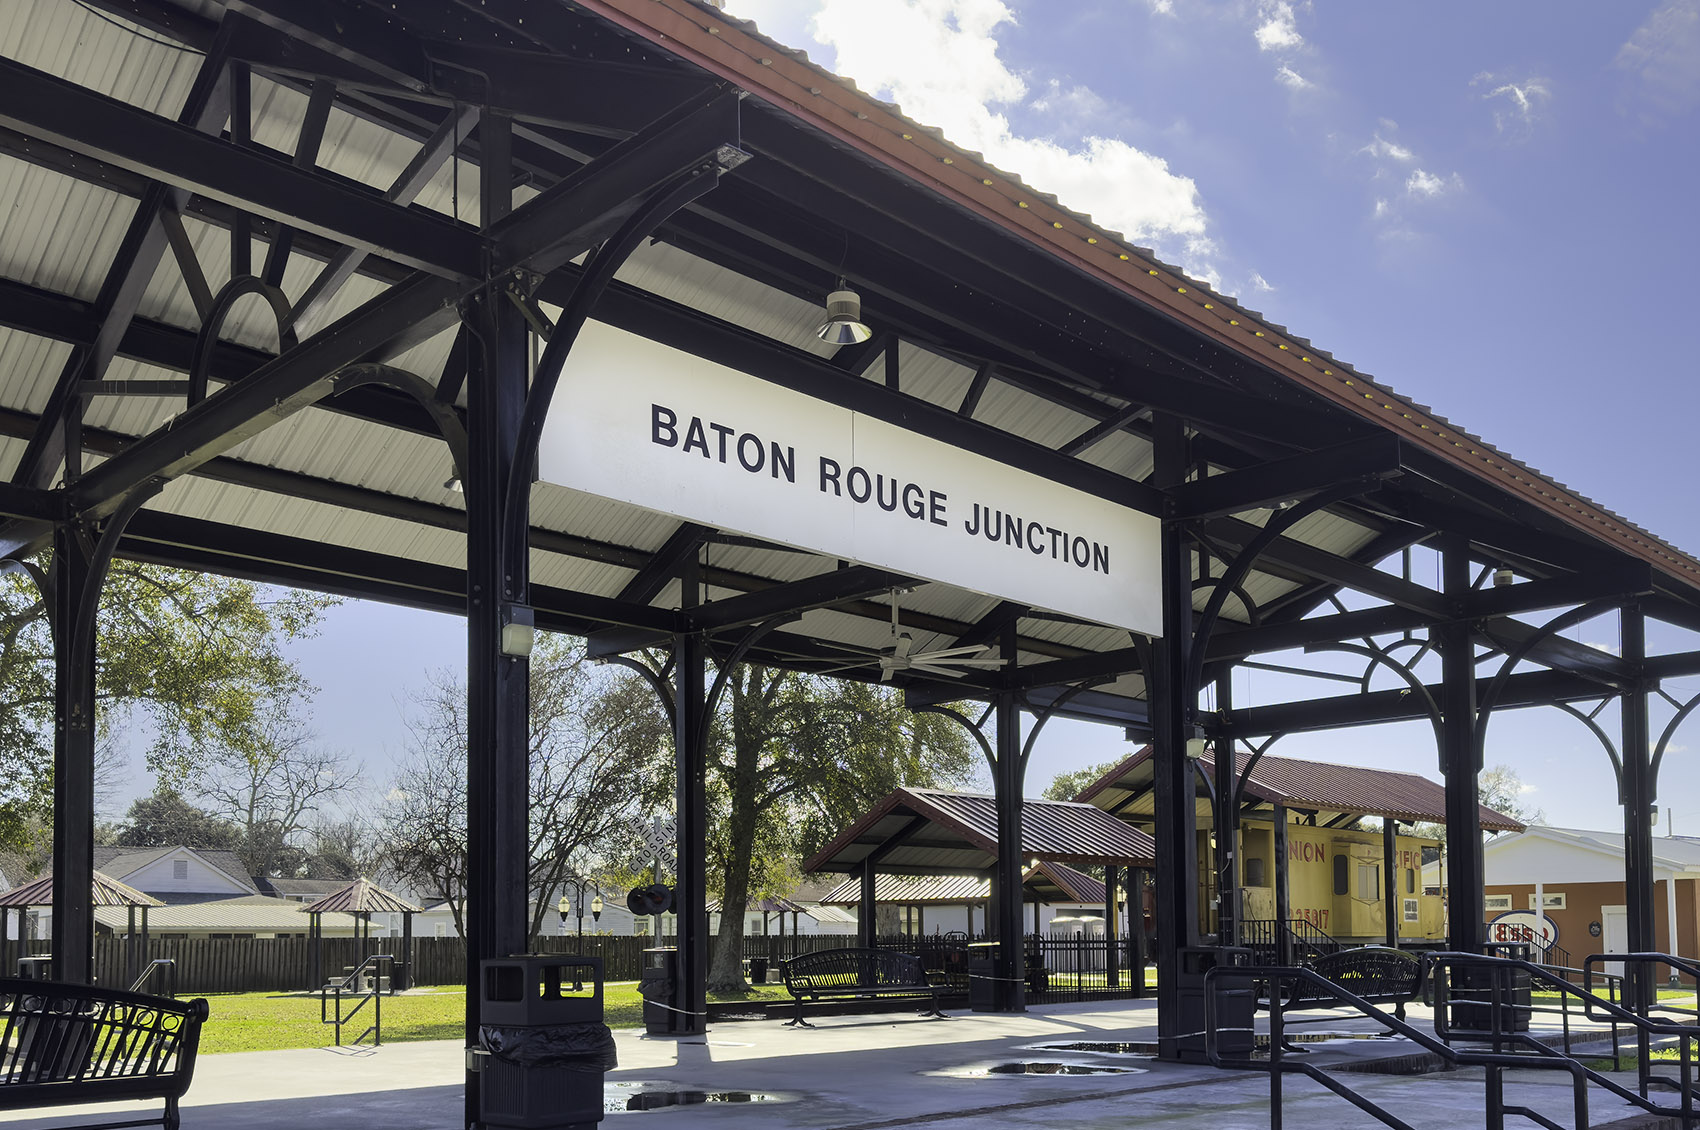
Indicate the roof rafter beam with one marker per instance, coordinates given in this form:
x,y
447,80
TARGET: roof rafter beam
x,y
1317,564
79,119
1103,428
1366,461
681,544
204,110
790,599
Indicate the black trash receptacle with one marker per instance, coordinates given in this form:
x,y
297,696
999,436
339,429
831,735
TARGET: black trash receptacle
x,y
1236,1003
542,1042
36,968
758,970
984,977
656,986
1484,1000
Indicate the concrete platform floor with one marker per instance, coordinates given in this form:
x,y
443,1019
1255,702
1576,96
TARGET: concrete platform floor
x,y
858,1073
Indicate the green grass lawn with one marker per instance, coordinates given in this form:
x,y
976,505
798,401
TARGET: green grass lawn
x,y
253,1022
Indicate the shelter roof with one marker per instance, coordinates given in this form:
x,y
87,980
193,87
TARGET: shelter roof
x,y
931,831
1049,882
1005,324
361,896
1317,786
248,914
107,892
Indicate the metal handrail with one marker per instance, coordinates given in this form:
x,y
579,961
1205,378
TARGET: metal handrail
x,y
148,970
1644,1001
1595,1008
374,995
1278,1063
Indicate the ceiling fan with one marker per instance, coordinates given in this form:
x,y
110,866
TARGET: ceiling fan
x,y
900,655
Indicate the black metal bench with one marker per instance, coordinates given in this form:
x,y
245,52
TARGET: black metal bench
x,y
1377,974
858,973
82,1044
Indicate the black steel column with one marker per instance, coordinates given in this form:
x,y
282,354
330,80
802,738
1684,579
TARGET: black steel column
x,y
1010,991
1389,877
690,736
73,757
1639,798
1172,704
1112,941
497,578
867,919
1459,759
1283,896
1227,823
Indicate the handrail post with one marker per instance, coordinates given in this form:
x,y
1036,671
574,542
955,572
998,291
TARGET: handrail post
x,y
1277,1045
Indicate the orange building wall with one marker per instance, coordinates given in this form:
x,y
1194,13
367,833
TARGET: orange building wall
x,y
1582,906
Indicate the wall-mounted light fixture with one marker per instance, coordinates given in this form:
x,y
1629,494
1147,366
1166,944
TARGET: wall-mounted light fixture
x,y
1503,577
519,630
843,325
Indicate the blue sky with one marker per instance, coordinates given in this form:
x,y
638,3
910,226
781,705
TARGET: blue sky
x,y
1487,206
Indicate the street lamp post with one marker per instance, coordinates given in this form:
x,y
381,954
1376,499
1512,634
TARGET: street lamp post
x,y
578,886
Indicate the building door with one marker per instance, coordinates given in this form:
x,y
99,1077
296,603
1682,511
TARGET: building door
x,y
1614,935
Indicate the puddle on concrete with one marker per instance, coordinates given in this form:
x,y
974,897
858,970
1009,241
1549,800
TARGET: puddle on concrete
x,y
1035,1067
652,1095
1148,1050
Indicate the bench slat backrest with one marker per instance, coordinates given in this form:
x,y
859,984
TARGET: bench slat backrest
x,y
845,969
54,1034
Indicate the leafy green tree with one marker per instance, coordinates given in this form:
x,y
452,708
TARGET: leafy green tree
x,y
196,655
794,758
165,819
1067,786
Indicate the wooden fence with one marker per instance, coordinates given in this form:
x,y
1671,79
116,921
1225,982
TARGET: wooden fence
x,y
282,965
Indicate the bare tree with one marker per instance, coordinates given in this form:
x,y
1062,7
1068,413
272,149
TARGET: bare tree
x,y
270,783
598,745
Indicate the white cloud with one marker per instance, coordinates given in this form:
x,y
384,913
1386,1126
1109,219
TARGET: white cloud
x,y
1517,104
1663,56
1277,27
1380,147
1288,77
894,48
1162,7
1381,207
1259,283
1422,183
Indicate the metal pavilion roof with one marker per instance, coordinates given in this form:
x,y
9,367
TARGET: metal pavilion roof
x,y
1328,790
106,892
932,831
1049,882
1003,309
362,896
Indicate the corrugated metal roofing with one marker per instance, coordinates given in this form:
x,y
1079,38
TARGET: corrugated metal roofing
x,y
1316,785
1061,883
240,916
106,891
362,896
961,833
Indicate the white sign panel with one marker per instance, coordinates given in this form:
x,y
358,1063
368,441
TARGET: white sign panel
x,y
647,424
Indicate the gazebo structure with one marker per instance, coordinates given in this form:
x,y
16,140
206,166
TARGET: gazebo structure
x,y
938,832
104,891
307,292
362,898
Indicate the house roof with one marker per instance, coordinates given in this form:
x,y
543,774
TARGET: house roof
x,y
1675,853
362,896
1318,786
249,914
932,830
280,888
107,892
126,861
